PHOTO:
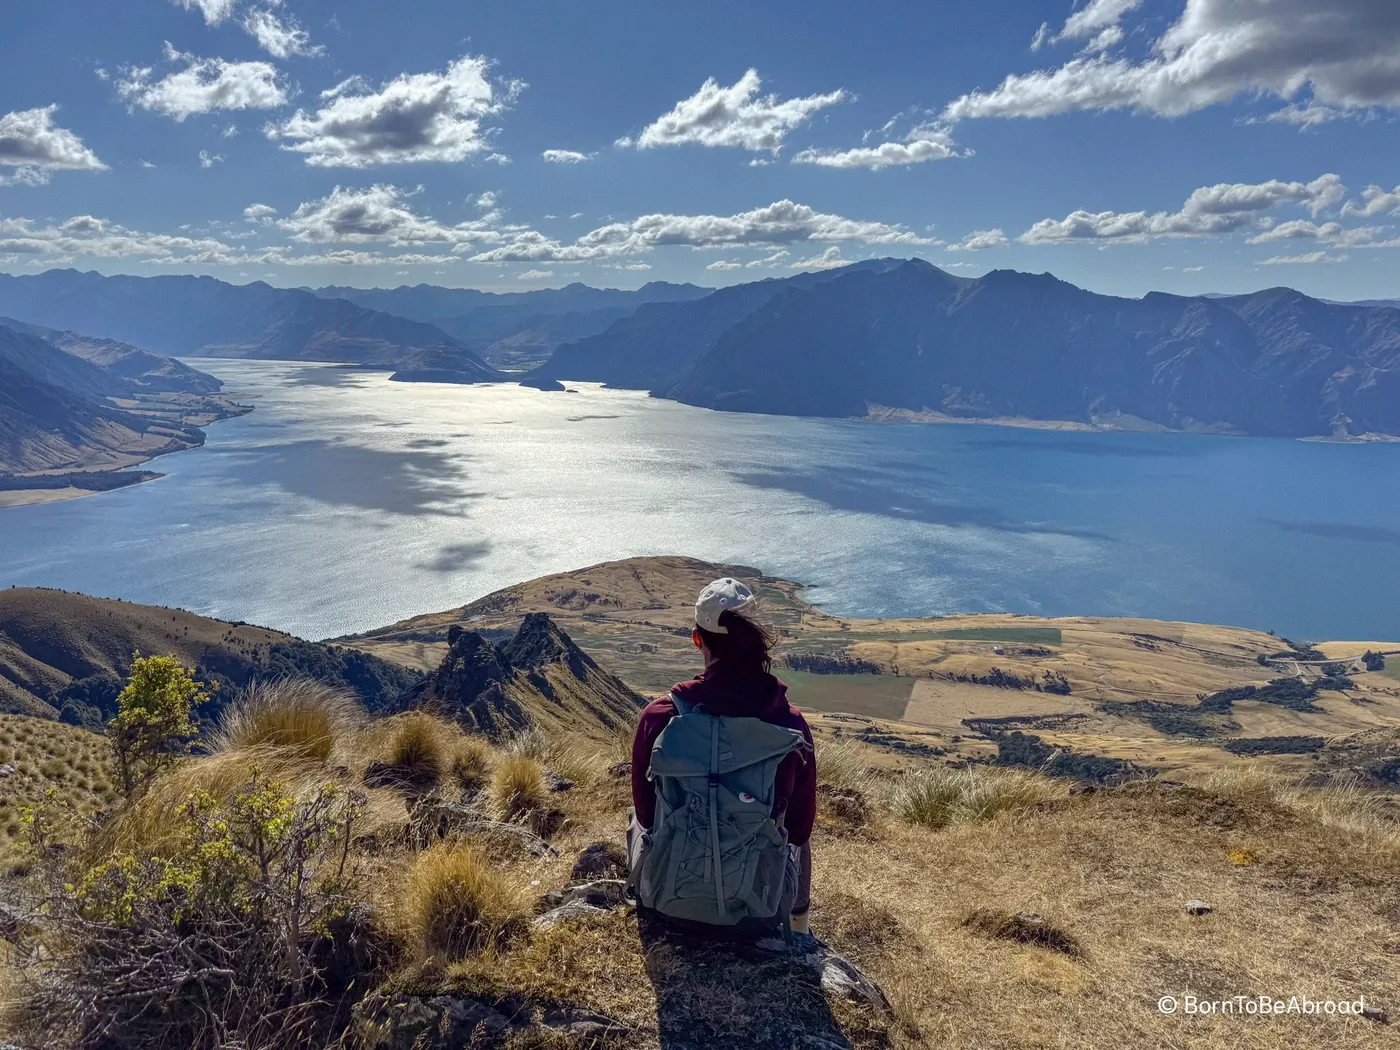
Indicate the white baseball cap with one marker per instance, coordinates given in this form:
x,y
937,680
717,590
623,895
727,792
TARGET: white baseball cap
x,y
722,595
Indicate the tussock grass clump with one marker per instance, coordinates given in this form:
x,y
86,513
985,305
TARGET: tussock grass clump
x,y
1344,806
418,746
842,765
936,798
471,763
298,714
517,787
454,904
532,743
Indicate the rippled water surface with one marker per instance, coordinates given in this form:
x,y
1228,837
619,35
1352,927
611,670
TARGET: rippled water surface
x,y
345,502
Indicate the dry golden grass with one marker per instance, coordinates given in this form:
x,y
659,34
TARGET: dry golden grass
x,y
420,745
843,764
62,769
517,786
297,714
148,824
1342,806
938,797
454,904
471,763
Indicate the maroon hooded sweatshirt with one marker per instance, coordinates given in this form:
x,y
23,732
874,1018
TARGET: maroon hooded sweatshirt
x,y
723,694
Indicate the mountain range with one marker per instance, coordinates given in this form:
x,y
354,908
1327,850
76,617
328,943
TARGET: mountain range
x,y
515,329
881,338
202,317
906,335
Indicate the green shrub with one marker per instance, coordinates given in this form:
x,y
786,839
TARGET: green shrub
x,y
153,725
215,942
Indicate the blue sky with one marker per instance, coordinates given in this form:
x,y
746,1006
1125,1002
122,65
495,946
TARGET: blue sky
x,y
1124,145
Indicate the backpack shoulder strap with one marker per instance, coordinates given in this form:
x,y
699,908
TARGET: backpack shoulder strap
x,y
683,707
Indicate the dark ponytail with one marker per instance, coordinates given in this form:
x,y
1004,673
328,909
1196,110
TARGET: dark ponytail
x,y
746,650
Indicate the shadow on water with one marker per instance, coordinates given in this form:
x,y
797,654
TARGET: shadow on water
x,y
716,995
411,482
1340,531
456,557
866,491
324,377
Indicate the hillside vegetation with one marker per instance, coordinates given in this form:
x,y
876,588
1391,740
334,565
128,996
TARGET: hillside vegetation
x,y
459,894
1130,694
65,656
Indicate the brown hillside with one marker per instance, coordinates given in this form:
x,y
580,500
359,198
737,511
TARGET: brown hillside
x,y
926,680
62,649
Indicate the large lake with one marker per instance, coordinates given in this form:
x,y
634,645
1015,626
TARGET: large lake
x,y
345,502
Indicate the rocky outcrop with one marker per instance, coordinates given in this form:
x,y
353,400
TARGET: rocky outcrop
x,y
538,676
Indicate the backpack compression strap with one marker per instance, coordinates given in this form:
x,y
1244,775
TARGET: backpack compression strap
x,y
715,856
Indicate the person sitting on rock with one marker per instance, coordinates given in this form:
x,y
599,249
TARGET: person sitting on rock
x,y
724,785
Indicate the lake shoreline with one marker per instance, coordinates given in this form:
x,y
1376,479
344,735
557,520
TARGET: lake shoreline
x,y
32,489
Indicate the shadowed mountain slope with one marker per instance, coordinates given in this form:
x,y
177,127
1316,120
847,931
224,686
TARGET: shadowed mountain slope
x,y
200,316
59,411
906,335
66,655
538,677
146,370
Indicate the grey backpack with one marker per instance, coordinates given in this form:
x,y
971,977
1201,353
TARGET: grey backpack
x,y
714,853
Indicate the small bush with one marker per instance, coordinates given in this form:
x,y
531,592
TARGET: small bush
x,y
417,747
939,797
219,941
297,713
471,763
517,787
153,724
454,904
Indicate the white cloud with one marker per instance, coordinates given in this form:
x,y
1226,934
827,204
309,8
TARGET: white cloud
x,y
85,235
208,160
204,85
1327,233
929,142
635,266
231,131
1094,20
1343,53
780,256
1310,257
725,264
735,116
565,156
262,214
1376,201
780,223
380,213
214,11
1222,208
1192,269
278,38
414,117
979,241
827,260
534,275
34,146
